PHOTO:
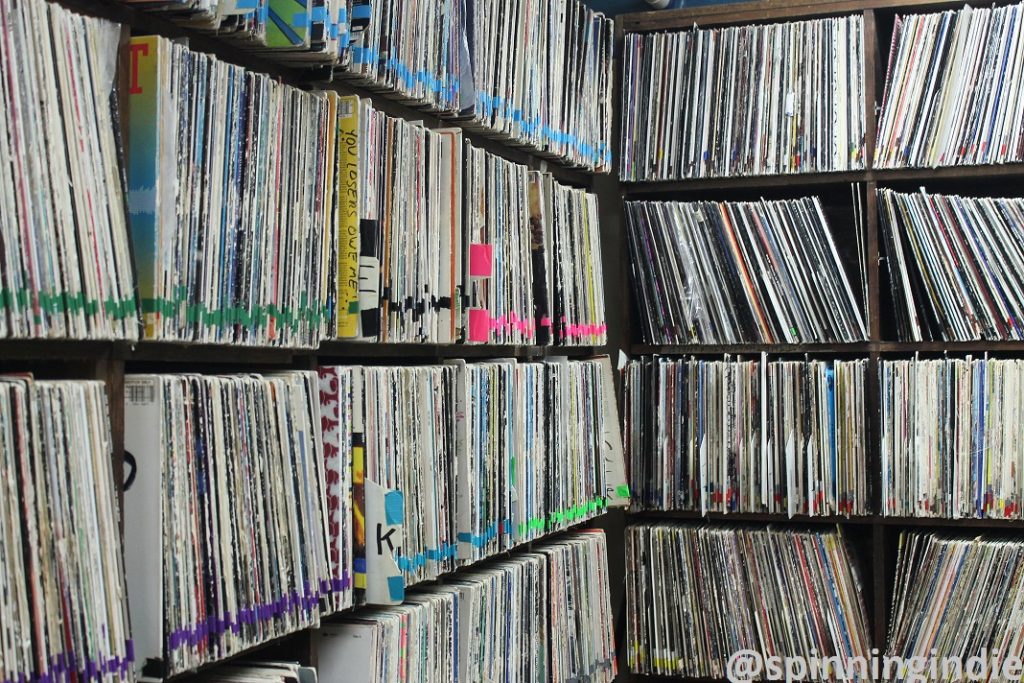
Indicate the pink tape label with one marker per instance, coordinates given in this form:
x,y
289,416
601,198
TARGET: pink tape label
x,y
481,260
479,325
572,330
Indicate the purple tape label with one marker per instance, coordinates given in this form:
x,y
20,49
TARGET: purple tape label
x,y
216,625
60,665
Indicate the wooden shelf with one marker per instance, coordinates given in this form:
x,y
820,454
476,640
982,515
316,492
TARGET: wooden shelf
x,y
809,182
772,11
667,188
945,523
941,173
176,352
856,348
224,354
55,349
740,517
803,520
721,349
950,347
342,349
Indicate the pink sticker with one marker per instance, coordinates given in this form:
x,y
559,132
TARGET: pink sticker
x,y
479,325
545,322
481,260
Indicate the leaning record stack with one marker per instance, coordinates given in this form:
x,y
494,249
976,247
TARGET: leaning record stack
x,y
696,595
238,461
763,272
227,178
65,265
778,437
63,614
744,100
